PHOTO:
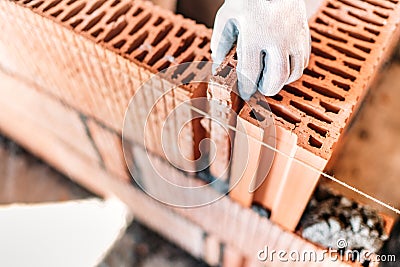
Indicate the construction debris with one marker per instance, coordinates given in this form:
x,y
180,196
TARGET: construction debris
x,y
330,218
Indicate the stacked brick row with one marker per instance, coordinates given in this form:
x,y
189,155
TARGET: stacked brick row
x,y
94,55
109,48
26,119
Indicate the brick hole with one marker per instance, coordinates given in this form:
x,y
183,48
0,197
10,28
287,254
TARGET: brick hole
x,y
186,44
341,85
96,33
203,63
76,23
351,4
318,129
313,74
311,111
122,11
115,31
297,92
277,97
225,71
323,91
321,53
188,78
180,32
204,42
27,2
57,13
312,141
119,44
358,36
38,4
378,4
137,42
51,5
336,71
365,19
140,24
353,66
363,48
315,40
164,66
138,11
256,115
384,16
338,19
162,34
332,6
158,21
280,112
329,35
74,12
160,53
141,56
70,2
346,52
95,6
329,107
321,21
374,32
94,21
189,58
182,67
116,2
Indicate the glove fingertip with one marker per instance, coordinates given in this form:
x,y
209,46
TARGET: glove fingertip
x,y
246,89
270,90
215,67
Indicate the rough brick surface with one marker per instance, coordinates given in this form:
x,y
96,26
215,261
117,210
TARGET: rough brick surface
x,y
104,46
58,119
247,235
109,48
350,41
109,146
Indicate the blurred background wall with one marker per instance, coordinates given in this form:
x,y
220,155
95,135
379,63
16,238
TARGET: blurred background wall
x,y
202,11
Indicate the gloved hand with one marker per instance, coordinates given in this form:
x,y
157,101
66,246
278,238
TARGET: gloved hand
x,y
273,42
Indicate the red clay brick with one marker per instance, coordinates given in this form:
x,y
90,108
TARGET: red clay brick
x,y
109,146
110,48
346,56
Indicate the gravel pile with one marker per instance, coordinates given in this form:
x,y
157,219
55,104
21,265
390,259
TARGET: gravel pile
x,y
335,221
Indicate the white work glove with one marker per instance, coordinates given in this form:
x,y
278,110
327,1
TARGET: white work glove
x,y
273,42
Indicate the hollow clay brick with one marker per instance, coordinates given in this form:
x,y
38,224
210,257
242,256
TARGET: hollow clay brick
x,y
285,142
334,84
245,164
231,257
212,250
65,124
296,188
109,146
346,56
186,228
98,41
225,103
